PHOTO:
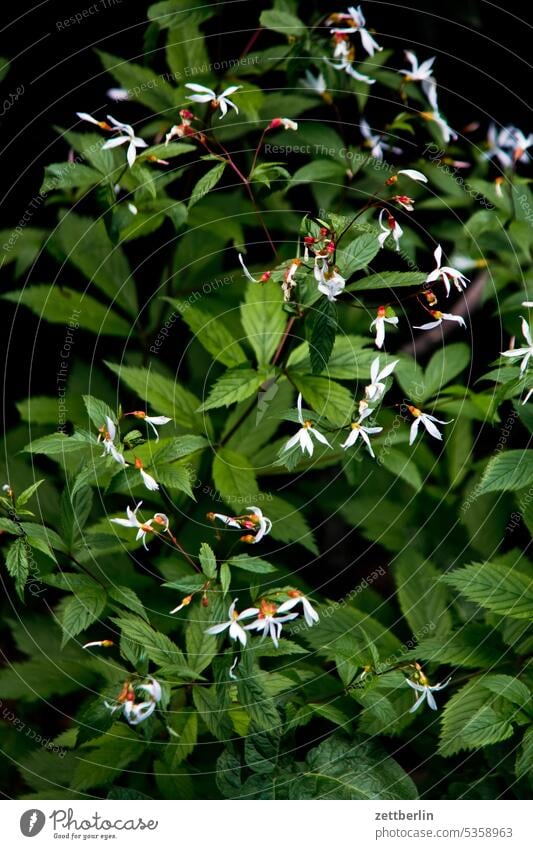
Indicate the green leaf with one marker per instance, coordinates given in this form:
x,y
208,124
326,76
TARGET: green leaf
x,y
82,610
263,319
289,524
234,477
69,175
253,697
63,305
106,758
9,527
165,395
355,769
422,598
327,398
206,183
443,366
475,717
98,410
185,727
174,449
500,588
251,564
128,598
387,280
25,496
85,244
141,84
157,646
175,477
208,561
202,647
357,254
279,20
524,759
322,335
507,470
318,171
399,465
211,331
57,444
234,385
472,646
18,564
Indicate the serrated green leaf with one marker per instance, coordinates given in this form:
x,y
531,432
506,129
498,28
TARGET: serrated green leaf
x,y
509,470
233,386
263,319
82,610
322,335
164,394
387,280
58,305
500,588
18,565
206,183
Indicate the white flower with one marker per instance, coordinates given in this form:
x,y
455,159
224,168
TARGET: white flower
x,y
346,64
246,272
288,278
149,482
317,84
218,101
227,520
439,318
330,283
426,693
108,434
136,712
143,528
236,631
286,123
446,273
118,94
414,175
153,421
434,115
405,202
376,389
153,688
253,521
528,396
428,422
391,228
303,436
127,136
269,622
379,323
296,597
358,429
355,23
184,603
98,644
259,521
375,141
419,72
497,141
526,353
84,116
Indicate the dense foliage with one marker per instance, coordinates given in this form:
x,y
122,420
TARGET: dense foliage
x,y
250,552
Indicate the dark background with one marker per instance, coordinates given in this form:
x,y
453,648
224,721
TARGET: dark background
x,y
483,69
